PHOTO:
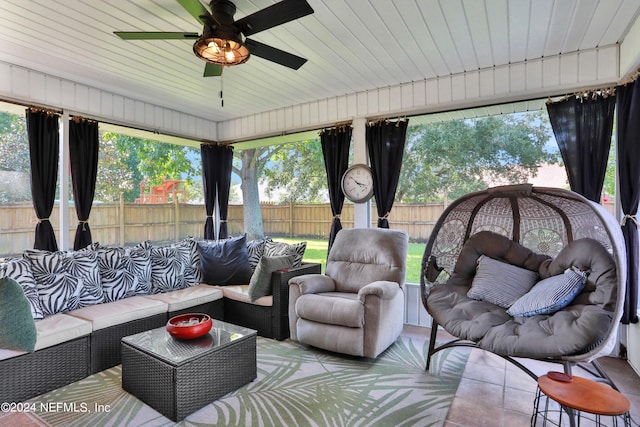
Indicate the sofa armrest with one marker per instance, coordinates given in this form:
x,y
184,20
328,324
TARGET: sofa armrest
x,y
382,289
280,284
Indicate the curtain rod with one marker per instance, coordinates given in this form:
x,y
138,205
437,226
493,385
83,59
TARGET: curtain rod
x,y
387,120
630,78
585,94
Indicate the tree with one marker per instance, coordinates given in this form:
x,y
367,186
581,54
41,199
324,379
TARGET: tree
x,y
126,161
302,180
114,175
609,187
14,143
450,159
446,159
14,159
249,165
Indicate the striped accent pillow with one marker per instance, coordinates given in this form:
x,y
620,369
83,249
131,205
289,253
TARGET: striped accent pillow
x,y
20,270
255,249
550,295
500,283
65,280
272,249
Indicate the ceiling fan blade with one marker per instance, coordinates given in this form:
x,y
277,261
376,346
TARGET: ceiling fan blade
x,y
275,55
212,70
277,14
151,35
195,8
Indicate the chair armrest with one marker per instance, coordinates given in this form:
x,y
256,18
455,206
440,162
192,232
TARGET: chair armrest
x,y
280,281
381,288
313,283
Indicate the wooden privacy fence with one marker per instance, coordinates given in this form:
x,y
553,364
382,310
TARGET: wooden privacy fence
x,y
129,223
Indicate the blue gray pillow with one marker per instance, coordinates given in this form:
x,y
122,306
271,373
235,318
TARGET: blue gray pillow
x,y
550,295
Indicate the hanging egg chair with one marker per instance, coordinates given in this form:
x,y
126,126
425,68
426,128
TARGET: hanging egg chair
x,y
544,230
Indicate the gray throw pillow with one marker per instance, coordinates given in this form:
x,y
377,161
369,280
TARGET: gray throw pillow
x,y
225,262
18,331
550,295
500,283
260,284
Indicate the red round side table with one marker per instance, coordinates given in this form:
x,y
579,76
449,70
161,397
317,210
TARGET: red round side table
x,y
579,396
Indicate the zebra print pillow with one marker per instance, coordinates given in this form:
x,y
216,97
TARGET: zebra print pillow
x,y
65,280
125,271
20,271
255,249
171,268
272,249
192,272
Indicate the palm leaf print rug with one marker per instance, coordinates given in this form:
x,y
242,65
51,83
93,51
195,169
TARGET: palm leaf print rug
x,y
297,385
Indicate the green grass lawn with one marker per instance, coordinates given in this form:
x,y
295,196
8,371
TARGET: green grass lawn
x,y
317,252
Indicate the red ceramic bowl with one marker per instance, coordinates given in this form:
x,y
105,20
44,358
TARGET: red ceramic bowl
x,y
189,326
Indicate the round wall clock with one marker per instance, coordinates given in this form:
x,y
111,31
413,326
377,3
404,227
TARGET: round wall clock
x,y
357,183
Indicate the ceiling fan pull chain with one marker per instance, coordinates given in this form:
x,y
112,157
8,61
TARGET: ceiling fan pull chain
x,y
221,97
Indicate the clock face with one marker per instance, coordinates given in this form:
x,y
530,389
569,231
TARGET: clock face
x,y
357,183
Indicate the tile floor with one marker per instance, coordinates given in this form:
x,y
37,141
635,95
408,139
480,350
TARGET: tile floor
x,y
495,393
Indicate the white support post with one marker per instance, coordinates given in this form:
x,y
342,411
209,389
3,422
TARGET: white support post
x,y
63,181
361,211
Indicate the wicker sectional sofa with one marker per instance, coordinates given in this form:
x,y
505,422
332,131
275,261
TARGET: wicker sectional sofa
x,y
76,343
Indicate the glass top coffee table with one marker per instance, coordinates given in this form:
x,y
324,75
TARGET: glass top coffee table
x,y
178,377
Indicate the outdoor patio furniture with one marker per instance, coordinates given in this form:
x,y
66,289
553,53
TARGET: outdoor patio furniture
x,y
547,230
178,377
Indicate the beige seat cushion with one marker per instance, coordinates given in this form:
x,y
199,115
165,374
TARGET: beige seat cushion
x,y
125,310
333,308
53,330
188,297
241,293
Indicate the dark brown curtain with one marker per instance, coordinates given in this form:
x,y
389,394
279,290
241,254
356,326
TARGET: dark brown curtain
x,y
335,150
217,161
385,142
582,127
225,163
628,152
44,150
83,156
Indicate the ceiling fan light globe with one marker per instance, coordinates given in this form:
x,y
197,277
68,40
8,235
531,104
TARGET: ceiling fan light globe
x,y
221,51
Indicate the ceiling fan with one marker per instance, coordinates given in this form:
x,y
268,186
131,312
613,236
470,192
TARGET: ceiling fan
x,y
221,43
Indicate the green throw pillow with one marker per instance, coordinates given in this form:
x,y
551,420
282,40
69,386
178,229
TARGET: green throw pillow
x,y
260,284
17,327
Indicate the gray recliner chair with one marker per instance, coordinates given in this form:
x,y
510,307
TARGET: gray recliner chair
x,y
357,306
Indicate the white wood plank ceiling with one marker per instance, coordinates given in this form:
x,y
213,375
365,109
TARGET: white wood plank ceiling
x,y
351,46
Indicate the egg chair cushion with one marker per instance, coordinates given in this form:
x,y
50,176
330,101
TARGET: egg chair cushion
x,y
580,326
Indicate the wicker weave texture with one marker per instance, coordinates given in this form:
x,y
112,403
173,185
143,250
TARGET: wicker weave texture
x,y
270,322
29,375
215,309
177,391
105,343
